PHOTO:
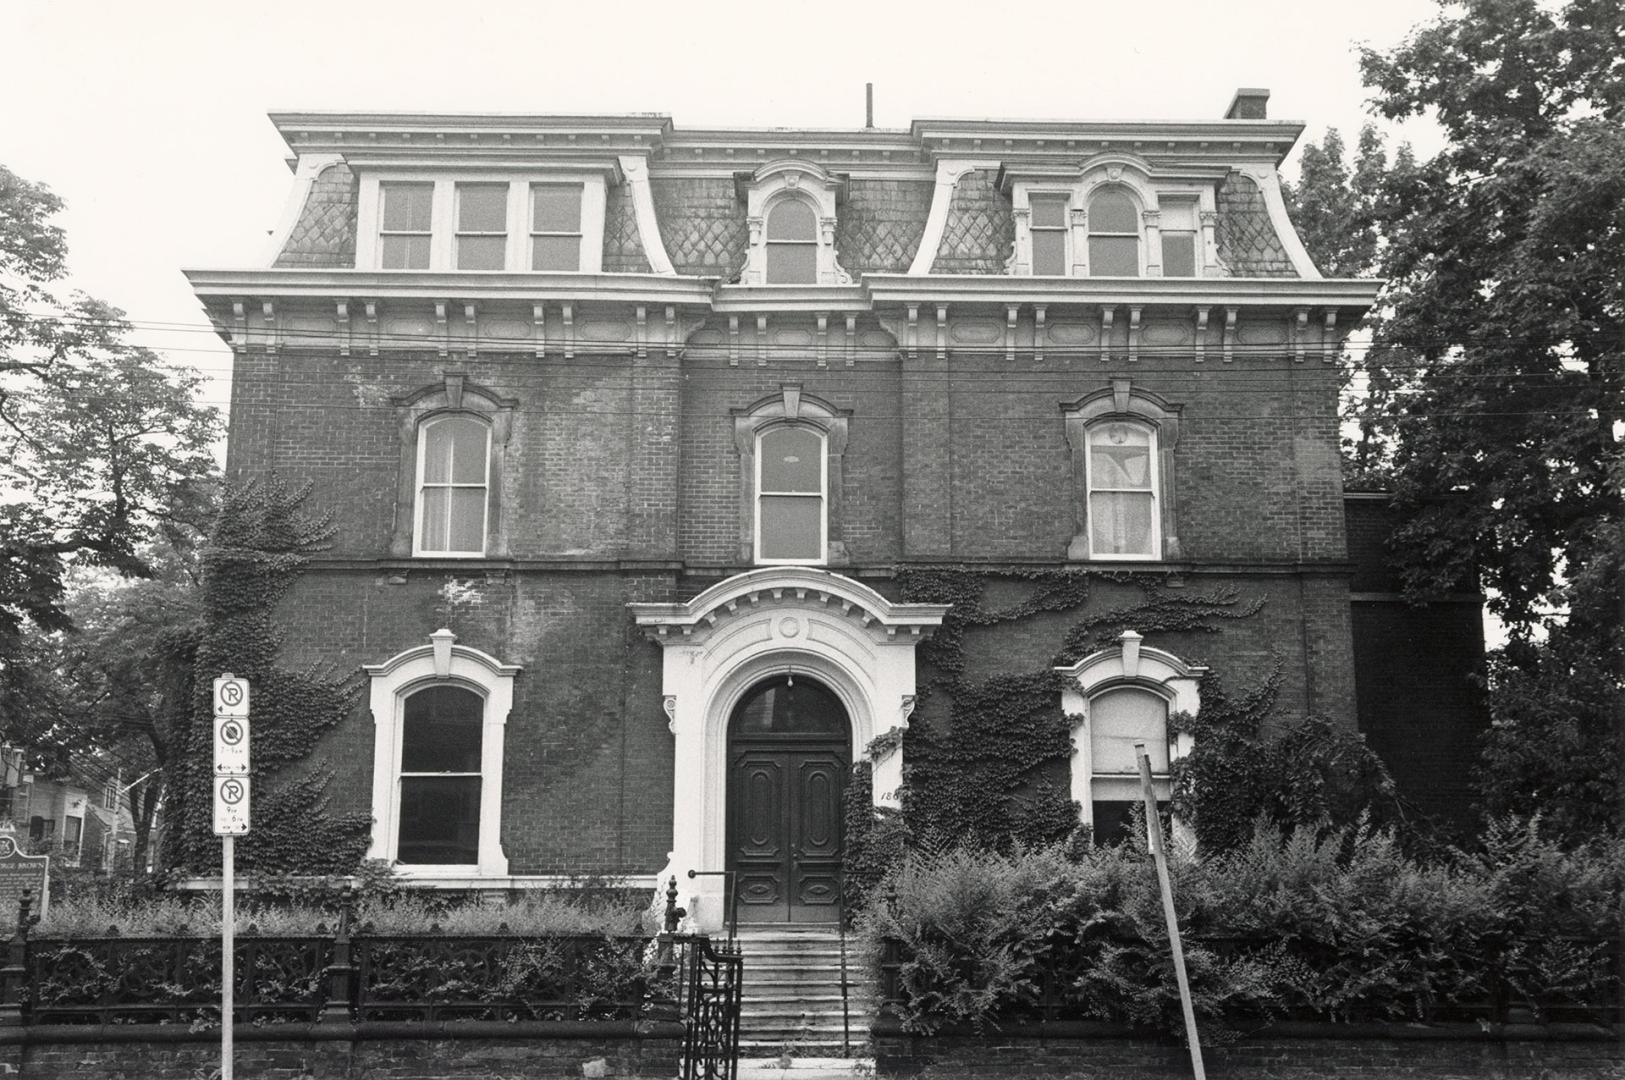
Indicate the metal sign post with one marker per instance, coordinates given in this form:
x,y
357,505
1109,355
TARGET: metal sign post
x,y
1153,836
231,783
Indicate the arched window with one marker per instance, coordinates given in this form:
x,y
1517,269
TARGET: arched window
x,y
440,774
792,243
452,488
1114,235
792,522
1122,471
1118,719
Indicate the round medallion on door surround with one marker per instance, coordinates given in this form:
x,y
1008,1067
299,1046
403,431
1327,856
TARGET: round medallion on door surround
x,y
789,626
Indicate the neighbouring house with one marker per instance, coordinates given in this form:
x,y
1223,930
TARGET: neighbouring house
x,y
80,817
659,456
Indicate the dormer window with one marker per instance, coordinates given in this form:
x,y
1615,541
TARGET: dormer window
x,y
482,223
792,243
791,207
1114,235
1049,234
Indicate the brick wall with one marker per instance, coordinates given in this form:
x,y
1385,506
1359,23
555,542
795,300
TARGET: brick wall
x,y
325,232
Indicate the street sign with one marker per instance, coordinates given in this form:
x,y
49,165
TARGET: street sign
x,y
231,806
231,745
230,696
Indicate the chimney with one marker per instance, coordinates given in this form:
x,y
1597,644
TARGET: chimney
x,y
1250,103
868,105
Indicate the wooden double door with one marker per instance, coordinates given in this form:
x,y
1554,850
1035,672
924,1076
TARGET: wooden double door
x,y
786,781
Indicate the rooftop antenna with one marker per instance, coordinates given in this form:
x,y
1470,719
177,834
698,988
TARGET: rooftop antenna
x,y
868,106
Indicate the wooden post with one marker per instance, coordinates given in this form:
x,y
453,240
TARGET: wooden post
x,y
1154,840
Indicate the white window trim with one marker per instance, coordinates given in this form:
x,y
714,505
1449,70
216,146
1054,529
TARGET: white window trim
x,y
422,504
1127,665
790,405
792,179
443,218
1153,466
442,662
823,495
452,395
1121,400
1145,189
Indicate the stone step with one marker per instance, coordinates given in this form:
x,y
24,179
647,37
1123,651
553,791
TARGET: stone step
x,y
831,1067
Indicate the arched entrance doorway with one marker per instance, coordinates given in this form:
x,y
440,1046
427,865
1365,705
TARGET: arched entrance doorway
x,y
789,751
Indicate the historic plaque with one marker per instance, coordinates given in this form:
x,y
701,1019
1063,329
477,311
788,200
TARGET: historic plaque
x,y
18,872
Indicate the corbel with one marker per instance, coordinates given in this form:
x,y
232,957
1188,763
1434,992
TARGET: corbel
x,y
823,338
538,329
642,314
851,340
452,382
1134,333
668,704
471,320
239,314
733,340
1201,332
1010,313
671,330
1300,333
913,330
371,311
1038,332
761,341
942,331
567,315
341,312
268,312
1230,333
440,324
1106,315
1328,337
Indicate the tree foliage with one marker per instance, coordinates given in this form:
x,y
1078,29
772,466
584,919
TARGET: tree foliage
x,y
1491,399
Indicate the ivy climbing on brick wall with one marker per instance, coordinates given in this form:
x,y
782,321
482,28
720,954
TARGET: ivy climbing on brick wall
x,y
262,540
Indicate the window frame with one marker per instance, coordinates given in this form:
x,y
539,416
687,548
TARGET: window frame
x,y
459,233
385,233
769,241
1154,475
444,224
442,662
532,232
452,395
791,406
763,433
1137,207
1064,197
422,485
1122,401
803,181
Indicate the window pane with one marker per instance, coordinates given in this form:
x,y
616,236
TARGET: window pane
x,y
482,207
555,253
481,252
1112,211
1119,456
1049,252
792,219
792,526
1048,212
785,706
466,520
1114,823
440,819
433,524
792,460
406,253
467,439
1178,254
555,208
407,207
441,730
1178,215
1120,718
1114,256
1120,523
792,264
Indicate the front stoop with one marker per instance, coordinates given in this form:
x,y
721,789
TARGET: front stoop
x,y
806,1068
791,998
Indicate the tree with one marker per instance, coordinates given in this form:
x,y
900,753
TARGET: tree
x,y
1495,384
106,453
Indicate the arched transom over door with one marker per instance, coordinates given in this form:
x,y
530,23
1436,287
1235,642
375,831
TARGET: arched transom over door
x,y
789,750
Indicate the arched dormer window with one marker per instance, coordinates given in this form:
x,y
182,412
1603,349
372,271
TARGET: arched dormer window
x,y
1118,698
1114,234
791,447
1122,442
453,447
792,243
790,207
453,486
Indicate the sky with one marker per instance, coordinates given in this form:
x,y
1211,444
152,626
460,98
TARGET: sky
x,y
149,119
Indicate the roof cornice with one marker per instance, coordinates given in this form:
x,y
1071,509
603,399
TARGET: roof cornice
x,y
1344,293
438,135
462,284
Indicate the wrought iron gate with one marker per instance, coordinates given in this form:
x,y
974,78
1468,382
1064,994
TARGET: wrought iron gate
x,y
711,980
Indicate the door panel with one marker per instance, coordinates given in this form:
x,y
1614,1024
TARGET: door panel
x,y
784,836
